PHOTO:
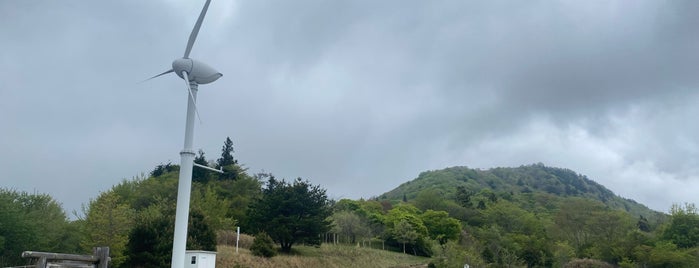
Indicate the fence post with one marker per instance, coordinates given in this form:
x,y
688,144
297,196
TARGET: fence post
x,y
102,253
41,263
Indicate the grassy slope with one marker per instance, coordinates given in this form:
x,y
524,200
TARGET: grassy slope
x,y
326,256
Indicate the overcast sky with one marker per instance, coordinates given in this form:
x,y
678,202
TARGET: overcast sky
x,y
357,96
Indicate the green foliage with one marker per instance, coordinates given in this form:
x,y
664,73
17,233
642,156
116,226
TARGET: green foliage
x,y
107,223
541,217
562,253
150,240
532,215
451,254
215,205
226,154
666,254
459,184
370,213
405,232
643,224
593,230
463,196
404,225
227,162
430,199
164,168
216,208
200,235
291,213
263,246
440,226
587,263
683,229
200,174
351,225
32,222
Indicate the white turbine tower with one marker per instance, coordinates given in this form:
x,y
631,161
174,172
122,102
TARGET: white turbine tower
x,y
194,73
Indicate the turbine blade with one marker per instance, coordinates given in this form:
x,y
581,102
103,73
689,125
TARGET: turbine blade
x,y
195,31
161,74
189,89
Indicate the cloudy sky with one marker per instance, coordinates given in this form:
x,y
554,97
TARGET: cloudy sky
x,y
357,96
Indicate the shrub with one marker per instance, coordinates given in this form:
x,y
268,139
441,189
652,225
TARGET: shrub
x,y
263,246
227,237
587,263
246,241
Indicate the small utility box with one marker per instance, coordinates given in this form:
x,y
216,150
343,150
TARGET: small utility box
x,y
200,259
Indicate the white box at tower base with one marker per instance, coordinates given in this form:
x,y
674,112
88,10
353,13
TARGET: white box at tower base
x,y
200,259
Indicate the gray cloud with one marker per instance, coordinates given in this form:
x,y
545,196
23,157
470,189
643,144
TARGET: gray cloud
x,y
358,96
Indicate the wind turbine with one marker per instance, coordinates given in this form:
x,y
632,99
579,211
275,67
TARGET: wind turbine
x,y
194,73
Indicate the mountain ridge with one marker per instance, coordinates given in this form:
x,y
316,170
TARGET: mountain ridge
x,y
535,179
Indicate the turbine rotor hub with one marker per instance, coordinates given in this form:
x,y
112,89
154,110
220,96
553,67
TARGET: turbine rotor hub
x,y
197,71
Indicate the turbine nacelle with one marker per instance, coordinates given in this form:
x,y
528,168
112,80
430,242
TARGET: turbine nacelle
x,y
197,71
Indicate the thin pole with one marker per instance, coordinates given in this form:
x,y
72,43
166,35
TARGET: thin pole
x,y
179,245
237,238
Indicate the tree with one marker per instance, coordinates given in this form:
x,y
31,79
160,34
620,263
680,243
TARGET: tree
x,y
241,193
573,222
666,254
213,207
683,229
404,232
227,162
610,229
107,223
162,169
348,223
440,226
400,233
200,174
30,222
150,240
430,199
226,154
643,224
463,196
291,213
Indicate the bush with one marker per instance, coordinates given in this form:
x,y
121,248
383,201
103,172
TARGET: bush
x,y
227,238
263,246
246,241
587,263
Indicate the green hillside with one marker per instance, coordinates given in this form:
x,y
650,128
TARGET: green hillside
x,y
536,179
528,216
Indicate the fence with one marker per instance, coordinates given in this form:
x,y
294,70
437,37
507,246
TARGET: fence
x,y
99,259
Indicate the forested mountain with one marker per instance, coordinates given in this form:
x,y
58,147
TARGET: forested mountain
x,y
504,181
539,216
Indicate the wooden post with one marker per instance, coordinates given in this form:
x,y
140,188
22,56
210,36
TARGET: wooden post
x,y
41,263
102,253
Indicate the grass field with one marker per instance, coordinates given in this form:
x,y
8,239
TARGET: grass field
x,y
325,256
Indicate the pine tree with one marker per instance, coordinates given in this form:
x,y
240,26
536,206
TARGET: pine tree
x,y
226,154
227,162
291,213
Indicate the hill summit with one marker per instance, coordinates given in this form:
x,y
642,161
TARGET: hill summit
x,y
529,179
